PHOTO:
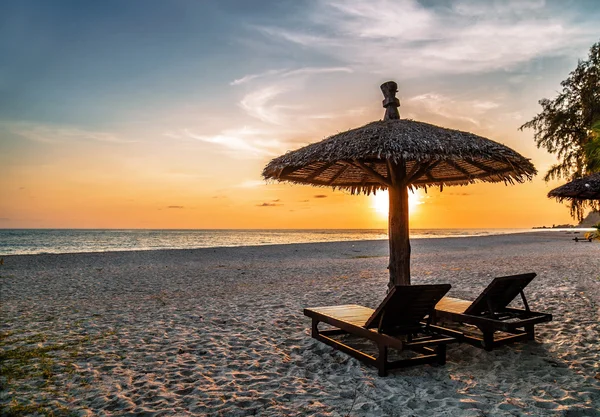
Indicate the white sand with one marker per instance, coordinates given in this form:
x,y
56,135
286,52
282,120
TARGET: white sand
x,y
221,331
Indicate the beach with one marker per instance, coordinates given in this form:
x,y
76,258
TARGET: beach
x,y
220,331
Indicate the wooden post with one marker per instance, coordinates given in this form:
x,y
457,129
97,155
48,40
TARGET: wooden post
x,y
398,192
398,227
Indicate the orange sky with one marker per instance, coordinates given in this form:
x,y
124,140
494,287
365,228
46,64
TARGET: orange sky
x,y
105,191
145,182
107,121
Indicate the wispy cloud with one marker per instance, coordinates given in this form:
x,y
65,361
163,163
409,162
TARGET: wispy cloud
x,y
250,77
401,37
260,104
451,108
269,205
476,8
320,196
408,38
239,142
270,97
286,72
175,207
317,70
251,184
276,108
62,134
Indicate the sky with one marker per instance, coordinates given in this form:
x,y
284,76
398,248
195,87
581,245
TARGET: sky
x,y
162,114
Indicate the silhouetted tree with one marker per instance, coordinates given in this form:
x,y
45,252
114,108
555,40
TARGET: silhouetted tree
x,y
568,126
592,150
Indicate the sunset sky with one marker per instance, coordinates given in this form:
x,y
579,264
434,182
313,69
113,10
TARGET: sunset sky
x,y
162,114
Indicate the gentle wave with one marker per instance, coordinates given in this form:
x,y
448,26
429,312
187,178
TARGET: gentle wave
x,y
38,241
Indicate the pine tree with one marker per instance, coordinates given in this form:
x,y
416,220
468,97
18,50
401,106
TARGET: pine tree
x,y
568,126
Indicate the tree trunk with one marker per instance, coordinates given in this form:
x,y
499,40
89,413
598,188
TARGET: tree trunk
x,y
399,236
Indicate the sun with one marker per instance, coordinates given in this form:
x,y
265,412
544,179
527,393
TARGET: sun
x,y
380,202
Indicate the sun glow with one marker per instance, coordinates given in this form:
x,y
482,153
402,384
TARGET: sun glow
x,y
380,202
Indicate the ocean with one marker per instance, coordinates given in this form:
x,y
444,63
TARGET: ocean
x,y
38,241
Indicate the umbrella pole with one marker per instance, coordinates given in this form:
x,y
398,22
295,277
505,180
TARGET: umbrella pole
x,y
399,236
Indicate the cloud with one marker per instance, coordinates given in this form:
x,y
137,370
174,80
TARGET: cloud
x,y
344,113
320,196
405,37
476,8
174,207
316,70
62,134
470,111
244,142
285,73
280,108
251,184
250,77
274,96
268,205
259,104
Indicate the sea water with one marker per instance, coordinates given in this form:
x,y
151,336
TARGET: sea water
x,y
37,241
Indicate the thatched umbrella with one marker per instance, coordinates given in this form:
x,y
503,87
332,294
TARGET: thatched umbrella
x,y
586,188
398,154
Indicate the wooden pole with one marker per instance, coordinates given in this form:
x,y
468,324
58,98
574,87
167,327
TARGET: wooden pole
x,y
398,193
398,229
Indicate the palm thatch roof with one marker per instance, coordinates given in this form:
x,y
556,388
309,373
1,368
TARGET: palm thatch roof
x,y
586,188
358,160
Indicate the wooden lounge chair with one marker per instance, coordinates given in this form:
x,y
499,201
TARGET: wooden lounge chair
x,y
583,239
490,314
397,323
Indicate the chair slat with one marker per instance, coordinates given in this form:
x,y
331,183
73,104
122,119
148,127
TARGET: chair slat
x,y
500,293
406,305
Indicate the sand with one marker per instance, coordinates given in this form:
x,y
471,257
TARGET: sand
x,y
221,332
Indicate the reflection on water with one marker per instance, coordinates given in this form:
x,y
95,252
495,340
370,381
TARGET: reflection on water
x,y
34,241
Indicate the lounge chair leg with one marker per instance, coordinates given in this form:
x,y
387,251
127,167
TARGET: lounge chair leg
x,y
314,328
530,332
441,354
488,340
382,360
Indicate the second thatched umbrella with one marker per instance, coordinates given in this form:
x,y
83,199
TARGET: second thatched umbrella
x,y
398,154
585,188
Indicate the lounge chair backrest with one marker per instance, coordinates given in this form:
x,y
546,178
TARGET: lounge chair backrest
x,y
499,294
406,306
